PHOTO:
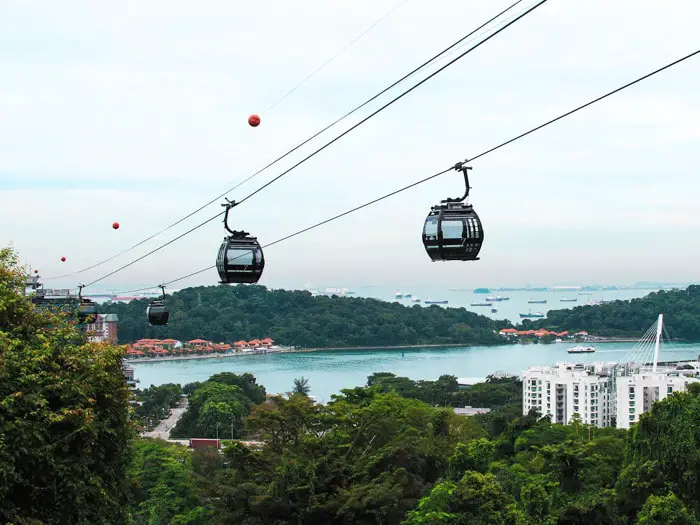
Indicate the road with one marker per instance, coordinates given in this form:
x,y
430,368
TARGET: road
x,y
163,429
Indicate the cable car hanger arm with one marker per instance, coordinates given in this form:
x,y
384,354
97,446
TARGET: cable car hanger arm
x,y
461,167
235,233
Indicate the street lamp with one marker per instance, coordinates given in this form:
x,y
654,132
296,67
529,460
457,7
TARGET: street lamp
x,y
217,431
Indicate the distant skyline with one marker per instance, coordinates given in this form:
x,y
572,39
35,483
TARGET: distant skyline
x,y
138,112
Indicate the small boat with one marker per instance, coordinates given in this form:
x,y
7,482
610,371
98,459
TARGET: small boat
x,y
428,301
581,350
415,300
496,298
531,315
398,295
537,301
494,310
407,295
567,300
480,304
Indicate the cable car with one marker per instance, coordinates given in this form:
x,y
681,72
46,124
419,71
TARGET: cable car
x,y
453,230
157,312
87,310
240,258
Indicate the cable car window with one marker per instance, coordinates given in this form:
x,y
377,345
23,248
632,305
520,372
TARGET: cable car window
x,y
239,257
431,228
452,229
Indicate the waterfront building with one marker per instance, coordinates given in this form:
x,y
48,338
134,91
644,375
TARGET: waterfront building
x,y
565,389
104,329
638,392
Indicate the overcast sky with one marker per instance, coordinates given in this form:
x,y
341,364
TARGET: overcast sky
x,y
137,112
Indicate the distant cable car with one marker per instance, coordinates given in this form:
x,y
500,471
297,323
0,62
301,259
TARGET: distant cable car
x,y
87,310
240,258
453,230
157,312
254,120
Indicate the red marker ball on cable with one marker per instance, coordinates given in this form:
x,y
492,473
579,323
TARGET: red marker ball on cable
x,y
63,259
115,225
36,271
254,120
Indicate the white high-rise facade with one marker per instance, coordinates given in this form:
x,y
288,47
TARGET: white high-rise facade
x,y
638,392
600,393
565,389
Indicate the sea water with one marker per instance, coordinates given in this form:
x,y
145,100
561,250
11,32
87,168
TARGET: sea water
x,y
330,371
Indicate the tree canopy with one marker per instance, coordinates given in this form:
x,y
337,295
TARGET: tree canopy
x,y
231,313
681,309
379,454
64,416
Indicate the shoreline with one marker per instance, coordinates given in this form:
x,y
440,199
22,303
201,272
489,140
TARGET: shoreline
x,y
218,355
227,355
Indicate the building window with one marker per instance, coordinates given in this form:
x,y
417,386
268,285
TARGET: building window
x,y
670,390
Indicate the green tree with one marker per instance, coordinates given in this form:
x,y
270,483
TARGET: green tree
x,y
301,386
64,416
668,435
164,490
222,402
665,510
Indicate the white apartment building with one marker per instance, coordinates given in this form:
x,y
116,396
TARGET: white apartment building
x,y
565,389
636,393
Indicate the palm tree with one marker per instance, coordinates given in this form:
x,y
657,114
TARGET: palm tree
x,y
301,386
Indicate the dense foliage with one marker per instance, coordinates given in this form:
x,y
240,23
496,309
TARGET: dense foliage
x,y
231,313
380,455
681,309
64,428
218,406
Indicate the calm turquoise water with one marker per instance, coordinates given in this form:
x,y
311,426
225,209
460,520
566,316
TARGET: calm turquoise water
x,y
328,372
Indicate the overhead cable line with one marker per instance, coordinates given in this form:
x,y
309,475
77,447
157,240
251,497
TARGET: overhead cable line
x,y
470,159
303,143
472,48
212,151
392,101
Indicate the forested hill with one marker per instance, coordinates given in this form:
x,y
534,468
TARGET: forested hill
x,y
231,313
681,309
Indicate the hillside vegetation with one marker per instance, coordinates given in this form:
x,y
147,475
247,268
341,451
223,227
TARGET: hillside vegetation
x,y
230,313
382,454
681,309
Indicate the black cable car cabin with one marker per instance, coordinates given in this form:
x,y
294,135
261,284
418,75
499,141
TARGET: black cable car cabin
x,y
87,312
87,309
157,312
453,230
240,258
